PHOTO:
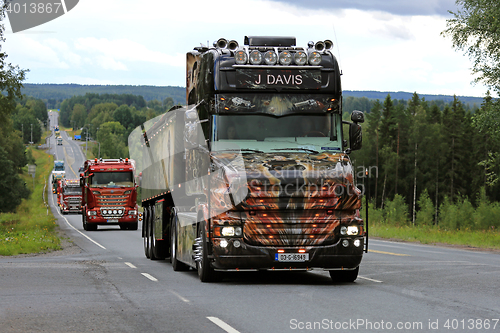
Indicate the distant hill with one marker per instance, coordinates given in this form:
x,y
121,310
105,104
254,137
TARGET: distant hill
x,y
56,93
401,95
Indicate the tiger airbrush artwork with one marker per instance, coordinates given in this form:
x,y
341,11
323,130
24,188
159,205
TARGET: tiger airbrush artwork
x,y
254,174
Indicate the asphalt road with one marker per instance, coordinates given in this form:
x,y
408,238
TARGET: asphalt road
x,y
106,284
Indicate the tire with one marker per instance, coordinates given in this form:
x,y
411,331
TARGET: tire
x,y
177,265
206,273
84,221
145,227
151,214
345,275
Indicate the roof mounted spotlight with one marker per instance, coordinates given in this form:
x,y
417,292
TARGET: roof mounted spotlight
x,y
328,44
310,44
232,45
222,43
319,46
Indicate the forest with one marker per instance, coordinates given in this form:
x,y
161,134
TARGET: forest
x,y
430,163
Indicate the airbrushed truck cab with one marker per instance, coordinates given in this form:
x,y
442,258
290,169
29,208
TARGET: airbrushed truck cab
x,y
109,193
70,196
254,174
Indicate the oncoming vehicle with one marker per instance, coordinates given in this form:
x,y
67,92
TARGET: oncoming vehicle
x,y
109,194
58,173
254,174
70,196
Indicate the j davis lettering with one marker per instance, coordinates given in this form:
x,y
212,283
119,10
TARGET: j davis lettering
x,y
281,79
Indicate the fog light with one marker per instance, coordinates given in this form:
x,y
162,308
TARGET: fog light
x,y
238,231
104,212
345,243
223,243
236,243
114,211
357,242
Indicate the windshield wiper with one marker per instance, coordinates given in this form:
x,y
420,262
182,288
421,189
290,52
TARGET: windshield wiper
x,y
245,150
304,149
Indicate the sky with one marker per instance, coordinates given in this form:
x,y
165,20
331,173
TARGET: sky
x,y
381,45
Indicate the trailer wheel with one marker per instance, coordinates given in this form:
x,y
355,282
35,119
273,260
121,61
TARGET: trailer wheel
x,y
176,264
345,275
151,234
145,231
206,273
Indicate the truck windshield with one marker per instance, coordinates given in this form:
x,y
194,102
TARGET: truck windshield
x,y
72,191
112,179
59,167
270,133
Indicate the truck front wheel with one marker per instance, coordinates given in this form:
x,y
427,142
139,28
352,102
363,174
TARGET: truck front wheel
x,y
345,275
206,273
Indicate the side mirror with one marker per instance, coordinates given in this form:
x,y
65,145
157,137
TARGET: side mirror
x,y
357,117
355,136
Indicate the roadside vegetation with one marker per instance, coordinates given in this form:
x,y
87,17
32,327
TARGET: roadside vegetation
x,y
32,227
452,224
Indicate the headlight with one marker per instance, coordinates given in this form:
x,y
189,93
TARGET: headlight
x,y
352,230
114,211
314,58
91,212
132,212
241,57
343,230
270,58
300,58
285,58
120,211
255,57
104,212
231,231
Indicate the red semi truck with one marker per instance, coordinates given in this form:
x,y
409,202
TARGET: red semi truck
x,y
70,196
109,194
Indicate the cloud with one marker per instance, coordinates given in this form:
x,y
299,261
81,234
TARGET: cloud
x,y
111,52
397,7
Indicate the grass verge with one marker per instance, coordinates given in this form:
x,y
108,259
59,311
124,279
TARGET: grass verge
x,y
32,229
436,235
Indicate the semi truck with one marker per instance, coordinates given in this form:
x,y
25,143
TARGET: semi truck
x,y
109,194
59,141
58,174
70,196
254,173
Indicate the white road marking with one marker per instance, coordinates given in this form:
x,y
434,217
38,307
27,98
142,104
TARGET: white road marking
x,y
130,265
81,233
365,278
222,325
179,296
152,278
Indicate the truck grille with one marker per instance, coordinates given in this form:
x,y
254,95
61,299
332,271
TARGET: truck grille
x,y
111,200
300,228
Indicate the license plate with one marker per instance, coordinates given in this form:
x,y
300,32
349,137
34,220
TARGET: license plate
x,y
291,257
113,221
